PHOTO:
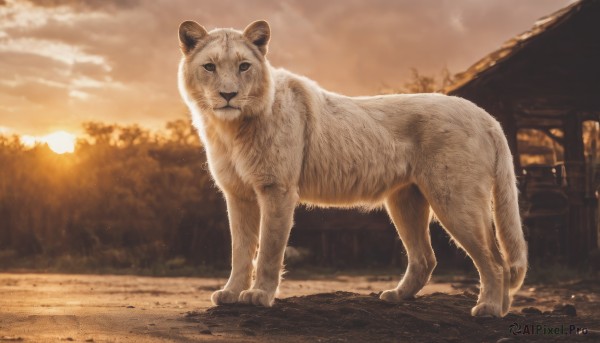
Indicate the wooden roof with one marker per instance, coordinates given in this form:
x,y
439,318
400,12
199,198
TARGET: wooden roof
x,y
549,71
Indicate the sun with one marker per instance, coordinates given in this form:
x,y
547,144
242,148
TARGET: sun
x,y
60,142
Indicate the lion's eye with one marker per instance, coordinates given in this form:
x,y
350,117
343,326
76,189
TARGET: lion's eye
x,y
210,67
244,66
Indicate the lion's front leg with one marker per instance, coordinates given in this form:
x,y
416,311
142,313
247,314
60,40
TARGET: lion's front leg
x,y
244,217
277,209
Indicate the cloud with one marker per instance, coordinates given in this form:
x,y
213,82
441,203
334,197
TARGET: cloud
x,y
65,53
87,4
66,61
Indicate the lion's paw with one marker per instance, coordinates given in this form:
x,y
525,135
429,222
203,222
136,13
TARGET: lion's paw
x,y
256,297
224,297
486,310
394,296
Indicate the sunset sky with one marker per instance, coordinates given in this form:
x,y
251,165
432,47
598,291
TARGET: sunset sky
x,y
65,62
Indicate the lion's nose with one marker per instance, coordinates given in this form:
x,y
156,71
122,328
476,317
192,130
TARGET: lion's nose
x,y
228,96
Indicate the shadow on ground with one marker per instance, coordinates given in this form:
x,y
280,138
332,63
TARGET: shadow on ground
x,y
344,316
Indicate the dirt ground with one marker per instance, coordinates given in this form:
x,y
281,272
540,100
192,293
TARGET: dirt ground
x,y
107,308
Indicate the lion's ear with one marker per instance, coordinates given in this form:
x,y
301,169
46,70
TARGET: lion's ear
x,y
190,33
259,34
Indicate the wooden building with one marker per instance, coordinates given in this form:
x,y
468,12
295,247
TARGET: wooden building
x,y
548,80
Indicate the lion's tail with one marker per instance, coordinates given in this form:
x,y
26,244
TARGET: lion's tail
x,y
509,231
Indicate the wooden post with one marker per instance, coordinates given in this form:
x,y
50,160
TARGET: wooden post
x,y
575,167
511,131
503,111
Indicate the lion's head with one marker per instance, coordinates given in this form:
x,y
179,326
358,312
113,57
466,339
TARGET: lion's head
x,y
224,73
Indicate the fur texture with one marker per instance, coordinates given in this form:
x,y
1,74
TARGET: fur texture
x,y
275,139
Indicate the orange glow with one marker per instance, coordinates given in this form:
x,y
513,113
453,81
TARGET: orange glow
x,y
60,142
29,141
52,76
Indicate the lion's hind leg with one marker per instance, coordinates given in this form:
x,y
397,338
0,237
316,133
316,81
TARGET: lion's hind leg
x,y
466,215
411,214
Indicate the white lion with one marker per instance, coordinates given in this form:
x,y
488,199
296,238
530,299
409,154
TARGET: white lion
x,y
275,139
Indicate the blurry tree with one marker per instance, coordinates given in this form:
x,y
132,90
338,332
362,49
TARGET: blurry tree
x,y
100,133
126,197
133,135
419,83
181,132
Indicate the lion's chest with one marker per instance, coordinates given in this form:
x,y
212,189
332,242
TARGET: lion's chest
x,y
240,167
226,170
